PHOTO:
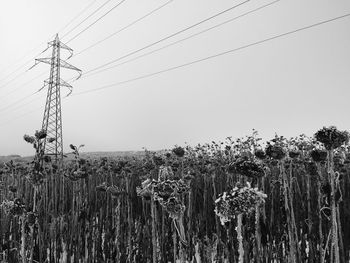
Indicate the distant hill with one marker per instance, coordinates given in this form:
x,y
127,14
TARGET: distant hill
x,y
90,155
14,157
96,155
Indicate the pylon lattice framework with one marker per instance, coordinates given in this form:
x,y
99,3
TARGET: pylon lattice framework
x,y
52,120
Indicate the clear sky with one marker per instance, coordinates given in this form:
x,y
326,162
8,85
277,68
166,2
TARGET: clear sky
x,y
291,85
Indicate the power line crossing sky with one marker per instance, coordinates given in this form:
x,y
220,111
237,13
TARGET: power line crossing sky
x,y
291,85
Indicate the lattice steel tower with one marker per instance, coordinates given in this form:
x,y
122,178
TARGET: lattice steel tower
x,y
52,120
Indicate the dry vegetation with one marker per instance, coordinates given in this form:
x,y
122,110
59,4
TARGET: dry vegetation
x,y
235,201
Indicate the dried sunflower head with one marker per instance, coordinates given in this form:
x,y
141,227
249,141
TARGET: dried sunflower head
x,y
164,189
51,140
36,177
165,172
318,155
182,187
146,189
260,154
15,207
240,200
275,151
294,154
29,139
249,167
331,137
40,134
31,217
158,160
47,159
174,207
311,168
115,191
7,205
179,151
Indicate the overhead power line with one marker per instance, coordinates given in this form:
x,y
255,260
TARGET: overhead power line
x,y
31,59
93,23
20,116
10,106
184,39
86,18
23,85
77,16
166,38
20,59
134,22
23,98
215,55
122,29
195,61
20,74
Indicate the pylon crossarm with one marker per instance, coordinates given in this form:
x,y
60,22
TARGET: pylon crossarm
x,y
64,64
44,60
66,84
62,83
36,63
64,46
69,92
45,84
51,43
48,46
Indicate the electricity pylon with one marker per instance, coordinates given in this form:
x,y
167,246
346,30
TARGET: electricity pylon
x,y
52,120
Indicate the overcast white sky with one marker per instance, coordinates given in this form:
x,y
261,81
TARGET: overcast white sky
x,y
291,85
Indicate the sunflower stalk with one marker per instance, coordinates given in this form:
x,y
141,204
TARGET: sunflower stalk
x,y
182,235
319,205
130,221
240,239
309,217
217,221
286,191
174,242
23,240
32,227
154,231
257,234
334,225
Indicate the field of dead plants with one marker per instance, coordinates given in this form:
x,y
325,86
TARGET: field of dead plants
x,y
240,200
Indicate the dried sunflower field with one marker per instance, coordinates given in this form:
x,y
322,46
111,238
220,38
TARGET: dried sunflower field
x,y
244,200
